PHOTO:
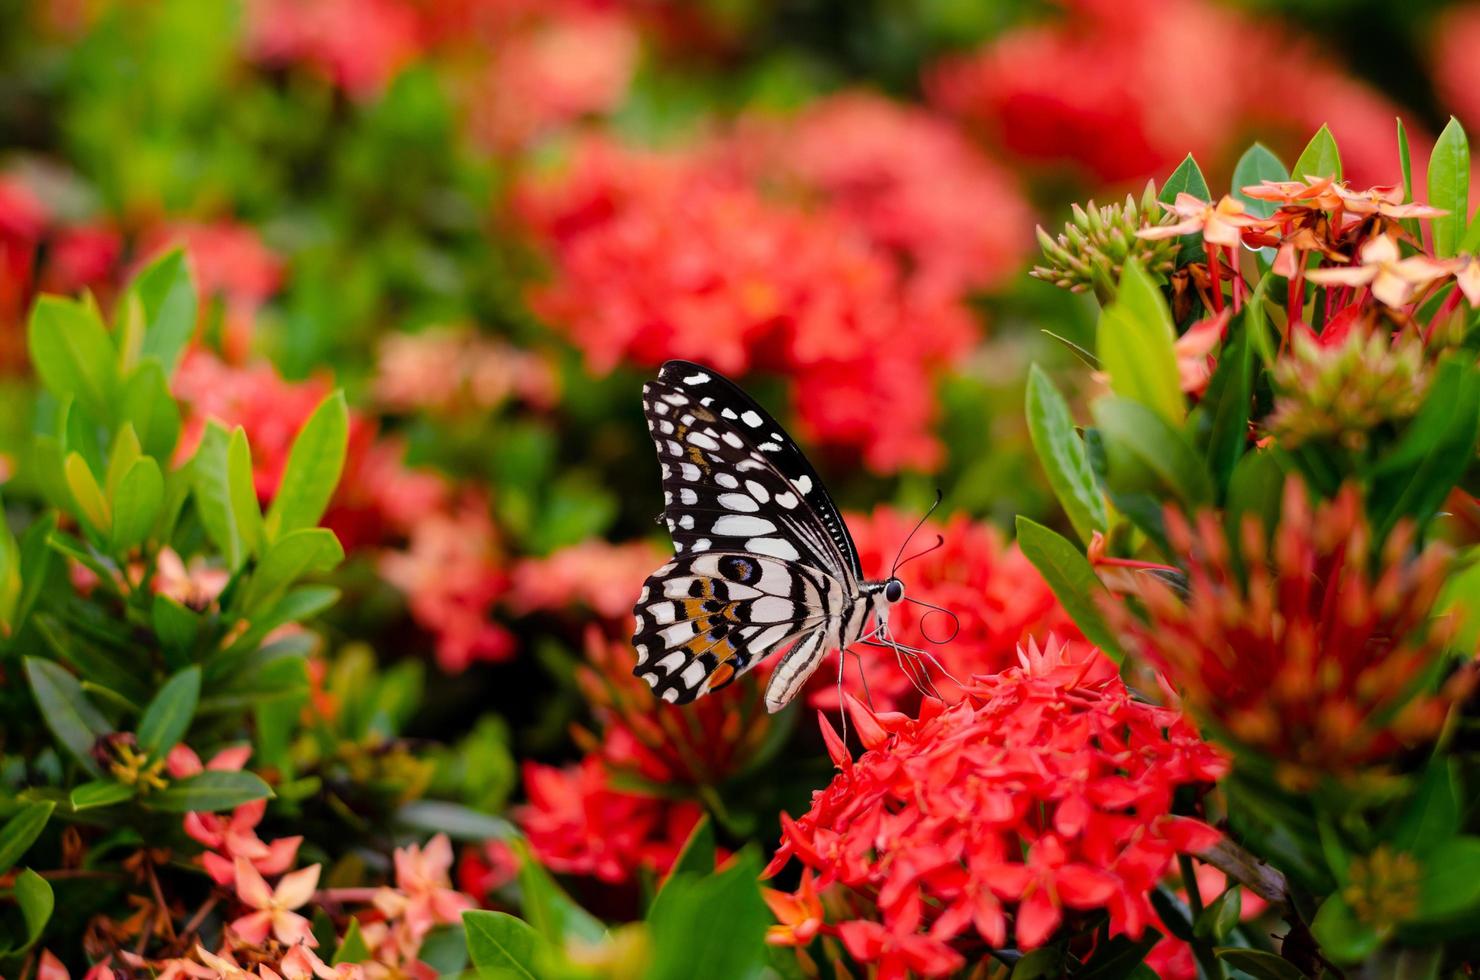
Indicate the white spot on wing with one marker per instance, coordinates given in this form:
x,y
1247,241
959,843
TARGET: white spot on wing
x,y
803,484
734,440
757,491
689,471
693,674
771,447
738,501
702,441
669,694
686,522
787,500
696,379
750,418
689,496
726,480
674,398
728,413
702,544
743,525
775,547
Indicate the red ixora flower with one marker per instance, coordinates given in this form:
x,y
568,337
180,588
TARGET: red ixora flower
x,y
659,255
995,592
1045,791
576,822
1309,654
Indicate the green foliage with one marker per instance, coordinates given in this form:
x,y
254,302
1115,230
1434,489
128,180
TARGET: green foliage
x,y
1320,158
1449,187
1135,339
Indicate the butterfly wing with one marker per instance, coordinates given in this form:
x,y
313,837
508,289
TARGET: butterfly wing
x,y
733,480
704,619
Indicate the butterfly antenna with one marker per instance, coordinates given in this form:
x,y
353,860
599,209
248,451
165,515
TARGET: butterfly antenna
x,y
918,524
955,620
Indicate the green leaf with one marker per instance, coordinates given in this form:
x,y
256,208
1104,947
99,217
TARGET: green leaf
x,y
1063,456
685,942
21,831
149,407
503,946
1450,886
1259,964
86,494
1072,579
1131,427
312,471
34,895
697,855
243,490
137,504
1220,918
1449,187
214,498
36,566
548,908
1046,963
210,792
1229,398
459,822
10,575
100,793
168,298
353,948
71,717
168,716
1433,815
1187,179
1135,345
1343,938
1413,479
1460,600
1405,166
177,627
303,552
73,353
1320,158
1258,163
125,453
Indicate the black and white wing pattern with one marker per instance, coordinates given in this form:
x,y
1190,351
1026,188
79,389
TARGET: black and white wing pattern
x,y
763,558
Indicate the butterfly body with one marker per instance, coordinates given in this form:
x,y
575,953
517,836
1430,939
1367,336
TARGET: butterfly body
x,y
763,560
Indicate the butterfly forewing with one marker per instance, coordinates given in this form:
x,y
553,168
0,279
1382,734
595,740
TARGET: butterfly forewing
x,y
764,560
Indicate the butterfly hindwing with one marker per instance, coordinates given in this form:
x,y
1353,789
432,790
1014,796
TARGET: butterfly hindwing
x,y
704,619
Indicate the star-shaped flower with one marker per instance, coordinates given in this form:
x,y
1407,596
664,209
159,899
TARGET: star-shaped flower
x,y
1392,280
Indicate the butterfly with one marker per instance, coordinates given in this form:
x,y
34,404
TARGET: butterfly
x,y
763,561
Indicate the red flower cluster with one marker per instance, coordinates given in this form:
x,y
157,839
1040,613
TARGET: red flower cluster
x,y
595,575
441,548
1091,89
1047,790
998,596
909,179
578,823
358,45
660,256
1310,656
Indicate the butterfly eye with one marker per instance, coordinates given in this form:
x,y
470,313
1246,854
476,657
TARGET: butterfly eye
x,y
894,590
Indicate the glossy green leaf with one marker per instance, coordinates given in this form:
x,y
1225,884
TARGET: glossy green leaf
x,y
37,901
1135,343
21,831
149,407
502,946
697,854
1146,436
459,822
1343,937
168,716
1063,456
177,627
1320,158
1072,579
1460,598
1187,179
100,793
137,504
685,942
87,496
1220,918
209,792
1450,886
72,718
73,353
124,453
1405,166
353,948
243,491
548,908
1433,815
37,566
312,471
1230,393
1449,187
214,499
1257,164
1259,964
298,553
168,298
1413,479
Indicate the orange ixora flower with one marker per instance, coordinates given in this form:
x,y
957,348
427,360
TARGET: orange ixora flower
x,y
1220,224
1393,280
799,916
1466,270
274,907
1386,200
1312,192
